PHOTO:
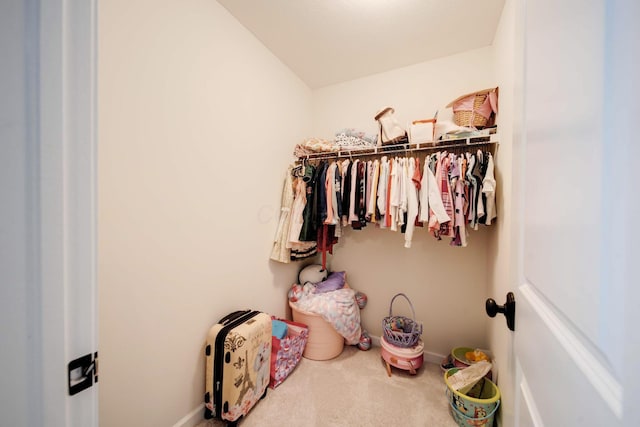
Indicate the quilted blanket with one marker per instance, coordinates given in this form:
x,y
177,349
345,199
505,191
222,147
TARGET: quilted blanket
x,y
339,308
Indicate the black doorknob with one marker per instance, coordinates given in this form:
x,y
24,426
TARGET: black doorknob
x,y
508,309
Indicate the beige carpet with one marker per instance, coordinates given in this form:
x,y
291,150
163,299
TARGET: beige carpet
x,y
353,390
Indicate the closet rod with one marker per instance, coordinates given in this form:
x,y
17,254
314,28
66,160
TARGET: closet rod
x,y
473,141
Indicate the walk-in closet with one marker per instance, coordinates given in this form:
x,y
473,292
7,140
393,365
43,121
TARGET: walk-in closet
x,y
145,145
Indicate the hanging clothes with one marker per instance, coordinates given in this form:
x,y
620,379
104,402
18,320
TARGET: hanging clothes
x,y
459,221
346,191
369,180
447,193
383,181
336,196
393,195
352,193
333,184
297,210
299,250
442,192
329,185
326,239
280,252
423,194
359,197
372,202
309,231
321,195
446,229
465,188
478,171
489,191
388,214
304,250
473,190
402,200
412,203
417,182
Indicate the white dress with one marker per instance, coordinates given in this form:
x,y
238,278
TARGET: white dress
x,y
489,189
280,252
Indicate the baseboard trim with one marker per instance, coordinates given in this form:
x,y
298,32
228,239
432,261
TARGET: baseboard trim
x,y
193,418
432,357
429,356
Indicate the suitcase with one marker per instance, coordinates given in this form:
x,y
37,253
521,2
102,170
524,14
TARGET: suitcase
x,y
237,364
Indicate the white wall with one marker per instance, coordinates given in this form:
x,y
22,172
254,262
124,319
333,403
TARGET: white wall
x,y
447,285
197,124
415,92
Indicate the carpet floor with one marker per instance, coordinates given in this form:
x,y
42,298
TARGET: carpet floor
x,y
353,390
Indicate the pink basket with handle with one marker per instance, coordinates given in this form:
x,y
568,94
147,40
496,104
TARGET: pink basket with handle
x,y
401,331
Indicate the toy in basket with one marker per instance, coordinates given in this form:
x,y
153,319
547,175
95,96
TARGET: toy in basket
x,y
401,331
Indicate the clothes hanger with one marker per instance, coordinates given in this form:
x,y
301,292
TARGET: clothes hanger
x,y
298,170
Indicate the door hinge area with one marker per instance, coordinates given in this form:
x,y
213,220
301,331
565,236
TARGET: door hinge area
x,y
82,373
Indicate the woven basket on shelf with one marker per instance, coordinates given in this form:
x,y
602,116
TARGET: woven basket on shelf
x,y
477,109
401,331
471,118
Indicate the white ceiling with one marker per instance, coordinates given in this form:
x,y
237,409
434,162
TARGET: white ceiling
x,y
331,41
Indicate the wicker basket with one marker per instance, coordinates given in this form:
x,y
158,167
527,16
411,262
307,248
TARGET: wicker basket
x,y
476,109
401,331
471,118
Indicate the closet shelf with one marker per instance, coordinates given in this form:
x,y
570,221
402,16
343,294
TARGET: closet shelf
x,y
452,143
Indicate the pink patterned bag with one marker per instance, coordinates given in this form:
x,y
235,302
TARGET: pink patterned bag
x,y
286,352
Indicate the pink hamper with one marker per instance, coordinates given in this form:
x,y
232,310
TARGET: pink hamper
x,y
324,342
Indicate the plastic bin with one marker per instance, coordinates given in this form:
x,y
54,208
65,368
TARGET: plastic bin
x,y
465,421
479,402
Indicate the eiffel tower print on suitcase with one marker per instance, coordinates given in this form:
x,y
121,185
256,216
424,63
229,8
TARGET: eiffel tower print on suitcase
x,y
237,362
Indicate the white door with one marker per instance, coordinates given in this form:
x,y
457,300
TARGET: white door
x,y
47,213
572,334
